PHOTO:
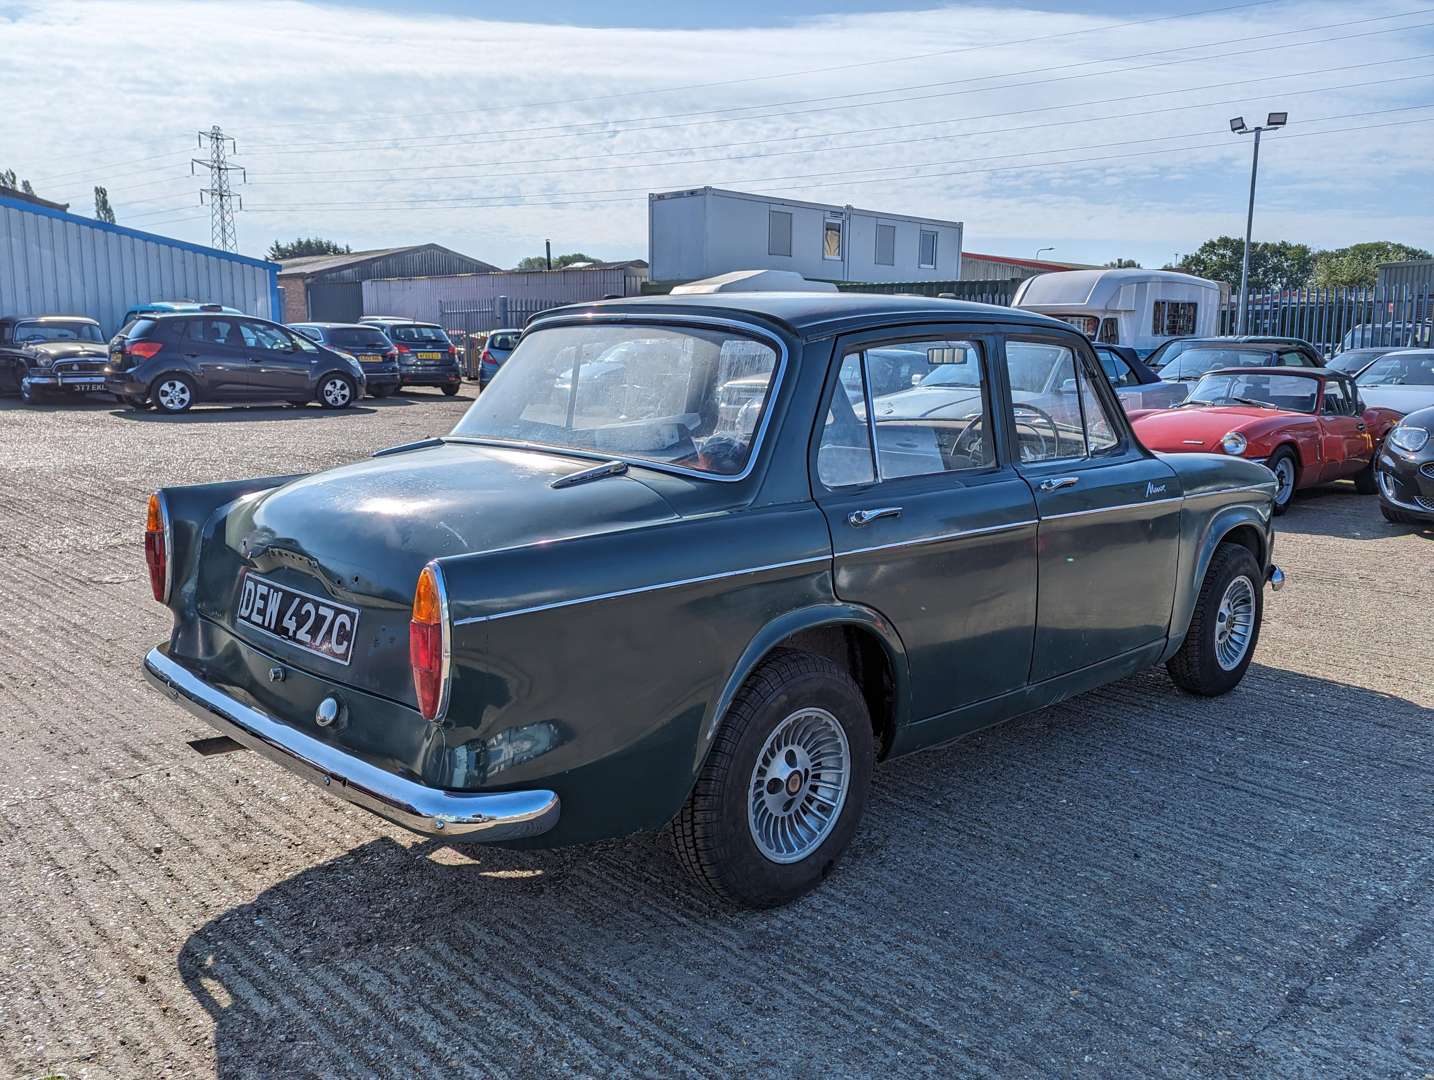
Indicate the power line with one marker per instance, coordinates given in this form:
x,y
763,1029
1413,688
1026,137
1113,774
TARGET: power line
x,y
790,74
412,143
565,198
90,170
945,137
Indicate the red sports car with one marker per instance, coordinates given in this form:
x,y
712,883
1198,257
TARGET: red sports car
x,y
1307,425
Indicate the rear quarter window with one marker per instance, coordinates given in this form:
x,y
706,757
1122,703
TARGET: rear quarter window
x,y
138,328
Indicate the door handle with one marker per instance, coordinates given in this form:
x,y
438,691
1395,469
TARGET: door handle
x,y
866,517
1362,426
192,355
1055,483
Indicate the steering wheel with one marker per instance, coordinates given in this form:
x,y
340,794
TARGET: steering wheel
x,y
971,442
1042,417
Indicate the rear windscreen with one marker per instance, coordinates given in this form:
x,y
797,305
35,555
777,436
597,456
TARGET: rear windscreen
x,y
418,335
503,341
137,328
358,338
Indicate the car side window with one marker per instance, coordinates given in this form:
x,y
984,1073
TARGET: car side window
x,y
1336,402
309,332
259,336
211,331
928,405
844,456
1293,358
1116,369
1057,413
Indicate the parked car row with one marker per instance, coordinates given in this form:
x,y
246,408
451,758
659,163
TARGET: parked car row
x,y
173,355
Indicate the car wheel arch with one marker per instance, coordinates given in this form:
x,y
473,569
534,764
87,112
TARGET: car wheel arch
x,y
859,638
1238,524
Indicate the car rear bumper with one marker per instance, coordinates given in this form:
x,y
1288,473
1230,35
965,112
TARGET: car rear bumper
x,y
486,816
380,379
430,376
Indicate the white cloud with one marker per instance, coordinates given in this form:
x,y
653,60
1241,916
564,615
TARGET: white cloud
x,y
290,80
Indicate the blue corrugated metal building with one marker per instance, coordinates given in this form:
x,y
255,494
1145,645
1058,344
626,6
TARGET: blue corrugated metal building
x,y
55,262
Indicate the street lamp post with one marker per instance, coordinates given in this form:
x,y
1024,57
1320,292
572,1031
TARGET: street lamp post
x,y
1039,250
1238,126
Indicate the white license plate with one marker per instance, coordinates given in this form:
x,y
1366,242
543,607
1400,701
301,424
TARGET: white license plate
x,y
430,356
305,621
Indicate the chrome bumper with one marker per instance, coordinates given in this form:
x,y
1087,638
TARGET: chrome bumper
x,y
503,815
1277,578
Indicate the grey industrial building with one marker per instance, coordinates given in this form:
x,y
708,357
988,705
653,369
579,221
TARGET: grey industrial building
x,y
329,288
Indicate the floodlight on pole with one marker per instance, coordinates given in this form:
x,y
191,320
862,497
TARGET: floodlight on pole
x,y
1039,250
1239,127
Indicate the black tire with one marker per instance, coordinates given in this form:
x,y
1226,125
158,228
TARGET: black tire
x,y
1284,494
1397,517
1364,481
382,391
451,389
336,391
713,838
133,401
29,395
1198,666
172,393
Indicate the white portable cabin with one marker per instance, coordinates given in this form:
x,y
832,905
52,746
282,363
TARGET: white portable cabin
x,y
1139,308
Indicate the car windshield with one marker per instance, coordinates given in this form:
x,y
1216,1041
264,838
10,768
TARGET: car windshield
x,y
1400,369
419,335
1293,392
502,341
354,337
1355,359
691,398
56,330
1194,362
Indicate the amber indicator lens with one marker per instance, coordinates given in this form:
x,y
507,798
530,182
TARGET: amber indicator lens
x,y
156,552
425,644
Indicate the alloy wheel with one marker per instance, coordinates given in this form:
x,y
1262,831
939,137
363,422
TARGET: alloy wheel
x,y
799,785
336,393
173,395
1235,623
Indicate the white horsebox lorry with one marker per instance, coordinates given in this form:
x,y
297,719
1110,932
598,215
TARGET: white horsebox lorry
x,y
1139,308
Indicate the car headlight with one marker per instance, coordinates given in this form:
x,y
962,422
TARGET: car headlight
x,y
1412,439
1234,443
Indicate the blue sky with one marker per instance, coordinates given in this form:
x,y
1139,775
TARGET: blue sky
x,y
1092,128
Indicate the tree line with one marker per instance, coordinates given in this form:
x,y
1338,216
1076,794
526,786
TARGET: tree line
x,y
1277,265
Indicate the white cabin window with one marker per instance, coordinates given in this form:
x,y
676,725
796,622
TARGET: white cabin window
x,y
1173,318
886,245
927,250
779,233
831,239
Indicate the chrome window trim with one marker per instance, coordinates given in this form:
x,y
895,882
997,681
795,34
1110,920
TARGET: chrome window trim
x,y
1113,509
594,318
961,534
641,589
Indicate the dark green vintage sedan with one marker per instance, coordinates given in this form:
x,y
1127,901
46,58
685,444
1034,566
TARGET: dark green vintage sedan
x,y
680,564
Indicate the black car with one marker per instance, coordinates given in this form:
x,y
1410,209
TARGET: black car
x,y
425,355
1353,361
367,344
1170,350
1404,469
1201,355
176,361
51,354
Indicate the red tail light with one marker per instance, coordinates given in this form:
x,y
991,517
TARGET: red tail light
x,y
486,357
392,354
143,349
156,547
453,351
403,348
428,643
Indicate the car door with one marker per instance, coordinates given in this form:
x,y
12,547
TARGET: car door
x,y
930,525
1345,442
1109,511
278,368
216,354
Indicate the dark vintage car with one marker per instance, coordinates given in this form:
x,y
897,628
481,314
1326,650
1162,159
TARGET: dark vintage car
x,y
1404,470
1309,426
173,362
44,355
426,357
367,344
583,614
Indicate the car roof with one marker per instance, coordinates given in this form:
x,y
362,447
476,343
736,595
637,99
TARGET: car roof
x,y
45,318
816,314
396,320
336,325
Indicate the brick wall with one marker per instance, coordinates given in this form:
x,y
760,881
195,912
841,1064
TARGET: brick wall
x,y
296,304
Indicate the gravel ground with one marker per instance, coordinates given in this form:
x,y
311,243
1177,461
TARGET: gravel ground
x,y
1135,883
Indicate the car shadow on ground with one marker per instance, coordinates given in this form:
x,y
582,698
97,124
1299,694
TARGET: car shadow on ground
x,y
218,414
1344,514
1135,876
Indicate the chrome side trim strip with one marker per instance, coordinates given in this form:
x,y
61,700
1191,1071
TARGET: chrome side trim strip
x,y
1112,509
640,589
499,815
959,535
